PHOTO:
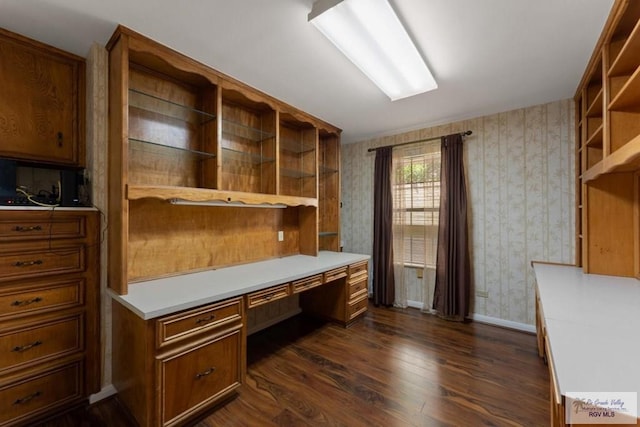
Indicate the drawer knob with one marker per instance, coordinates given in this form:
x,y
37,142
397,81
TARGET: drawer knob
x,y
205,319
268,297
21,229
22,303
205,373
27,263
27,398
26,347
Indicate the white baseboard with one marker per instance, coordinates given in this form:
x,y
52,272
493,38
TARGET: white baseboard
x,y
503,323
273,321
484,319
106,391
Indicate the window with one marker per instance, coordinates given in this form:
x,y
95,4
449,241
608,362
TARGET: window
x,y
416,199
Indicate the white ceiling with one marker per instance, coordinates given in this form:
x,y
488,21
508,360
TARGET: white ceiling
x,y
487,56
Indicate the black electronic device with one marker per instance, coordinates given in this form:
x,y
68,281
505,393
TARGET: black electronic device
x,y
8,175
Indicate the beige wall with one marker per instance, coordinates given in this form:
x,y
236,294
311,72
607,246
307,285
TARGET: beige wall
x,y
520,173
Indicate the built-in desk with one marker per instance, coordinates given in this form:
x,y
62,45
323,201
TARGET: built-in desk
x,y
588,328
179,343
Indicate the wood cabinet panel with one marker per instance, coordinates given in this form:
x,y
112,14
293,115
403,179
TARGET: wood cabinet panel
x,y
255,299
40,297
36,343
45,117
184,325
49,312
196,377
306,283
37,227
34,396
335,274
42,262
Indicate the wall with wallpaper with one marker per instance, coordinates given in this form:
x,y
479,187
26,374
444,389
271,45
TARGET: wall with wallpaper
x,y
520,173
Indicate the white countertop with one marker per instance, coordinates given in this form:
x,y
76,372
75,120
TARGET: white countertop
x,y
159,297
593,327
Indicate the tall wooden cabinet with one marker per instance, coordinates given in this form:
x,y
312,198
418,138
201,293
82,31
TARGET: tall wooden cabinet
x,y
49,315
204,172
608,149
42,113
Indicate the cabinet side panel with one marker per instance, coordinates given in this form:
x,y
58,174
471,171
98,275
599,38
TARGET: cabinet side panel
x,y
132,373
610,204
118,206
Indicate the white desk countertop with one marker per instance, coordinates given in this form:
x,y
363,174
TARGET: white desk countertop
x,y
159,297
593,327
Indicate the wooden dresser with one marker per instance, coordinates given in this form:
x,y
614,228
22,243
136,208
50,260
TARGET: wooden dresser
x,y
49,311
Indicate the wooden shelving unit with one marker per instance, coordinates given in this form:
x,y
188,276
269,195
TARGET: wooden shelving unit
x,y
183,133
608,149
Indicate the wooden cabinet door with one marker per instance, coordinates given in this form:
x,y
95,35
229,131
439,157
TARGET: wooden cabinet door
x,y
40,114
193,379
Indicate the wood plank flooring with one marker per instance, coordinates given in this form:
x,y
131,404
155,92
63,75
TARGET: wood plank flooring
x,y
393,368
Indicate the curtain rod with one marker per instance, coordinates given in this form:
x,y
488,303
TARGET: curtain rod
x,y
465,133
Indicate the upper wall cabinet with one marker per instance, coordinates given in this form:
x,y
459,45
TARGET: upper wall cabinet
x,y
42,105
608,149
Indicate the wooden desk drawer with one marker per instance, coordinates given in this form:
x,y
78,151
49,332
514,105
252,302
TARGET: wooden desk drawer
x,y
359,269
36,343
41,297
359,287
32,228
255,299
335,274
357,307
34,263
198,376
185,324
38,394
306,283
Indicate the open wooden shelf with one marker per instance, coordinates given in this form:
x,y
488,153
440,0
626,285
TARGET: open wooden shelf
x,y
168,193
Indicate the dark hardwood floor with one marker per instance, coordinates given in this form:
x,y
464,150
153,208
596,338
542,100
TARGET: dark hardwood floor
x,y
393,368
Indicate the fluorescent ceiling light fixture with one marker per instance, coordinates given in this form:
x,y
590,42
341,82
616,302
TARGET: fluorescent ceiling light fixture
x,y
226,204
370,34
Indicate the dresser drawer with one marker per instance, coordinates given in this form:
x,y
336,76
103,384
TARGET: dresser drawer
x,y
41,297
358,288
357,307
32,228
306,283
40,342
358,270
38,394
255,299
182,325
197,377
335,274
34,263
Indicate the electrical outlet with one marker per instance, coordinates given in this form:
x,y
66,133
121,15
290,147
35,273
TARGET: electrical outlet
x,y
482,294
419,273
280,236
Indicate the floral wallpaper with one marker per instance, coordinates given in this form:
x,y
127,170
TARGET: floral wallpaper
x,y
520,173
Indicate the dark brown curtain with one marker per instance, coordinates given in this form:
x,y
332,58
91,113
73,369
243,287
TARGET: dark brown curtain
x,y
453,271
383,283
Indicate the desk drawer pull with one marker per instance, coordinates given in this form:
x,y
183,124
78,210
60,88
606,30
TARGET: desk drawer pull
x,y
267,297
26,347
205,319
21,229
19,303
28,263
205,373
27,398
